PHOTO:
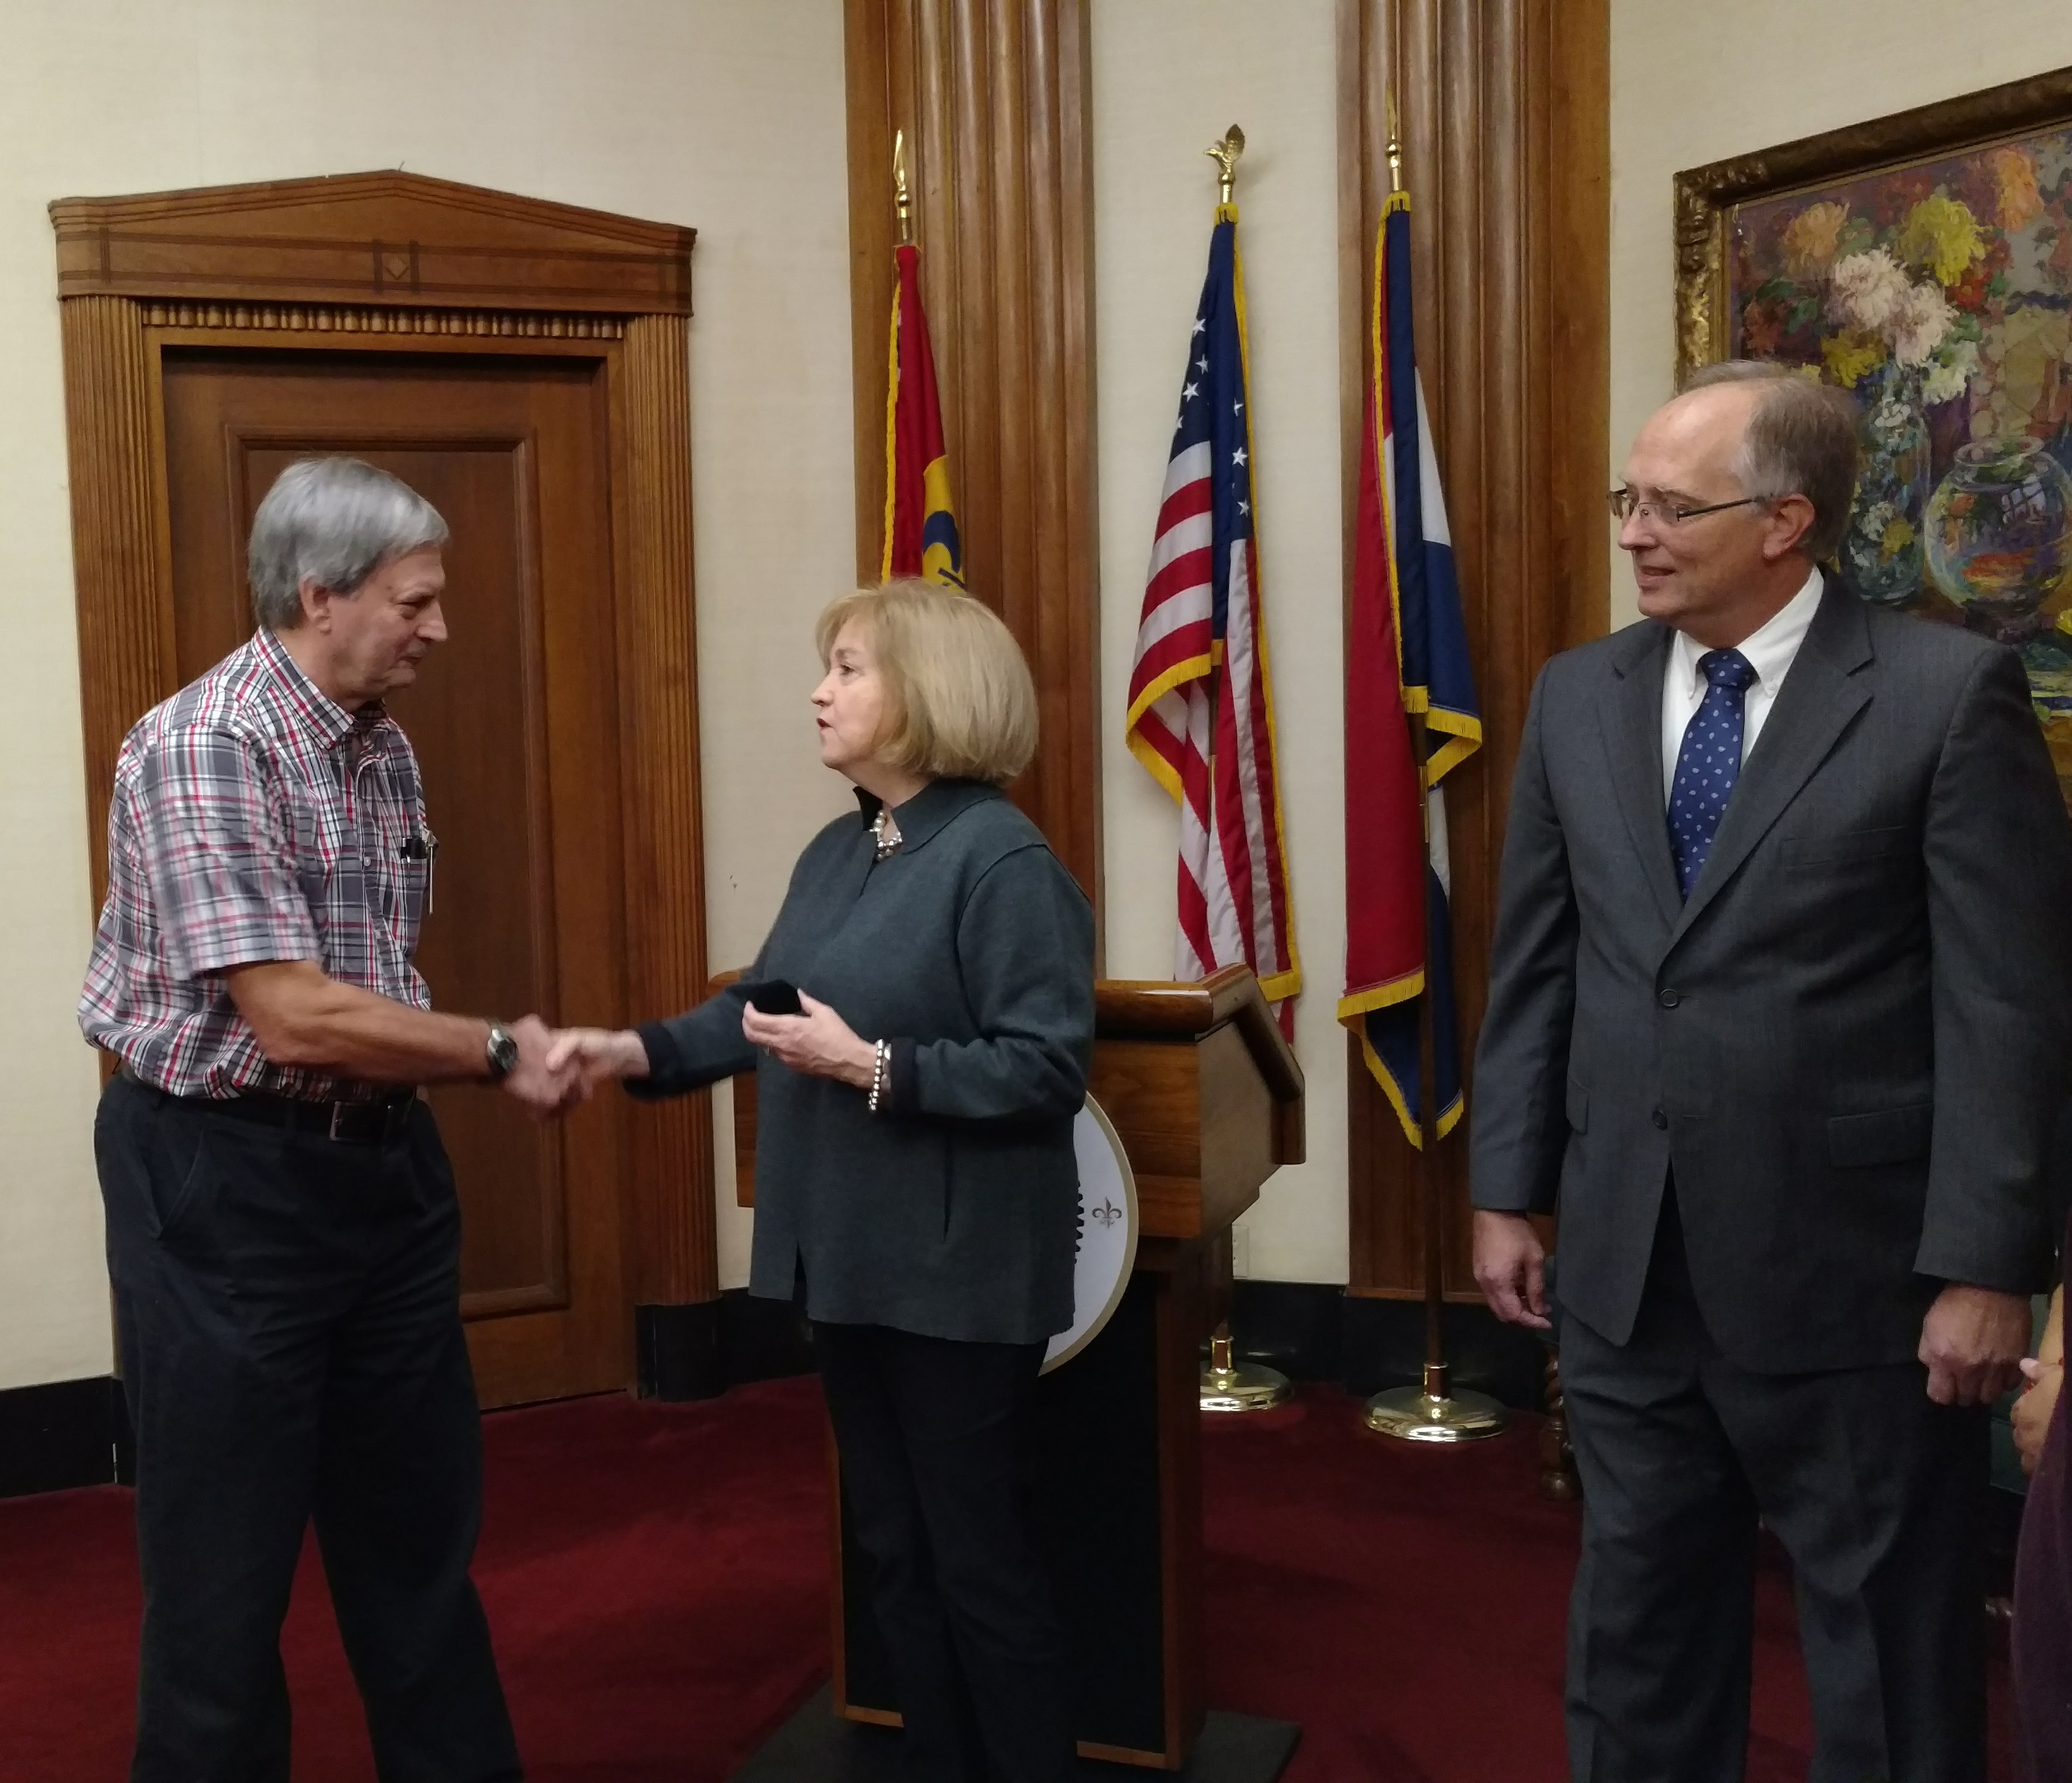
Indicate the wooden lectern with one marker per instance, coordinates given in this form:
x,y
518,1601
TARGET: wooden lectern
x,y
1207,1097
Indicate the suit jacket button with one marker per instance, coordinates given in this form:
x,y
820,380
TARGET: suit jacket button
x,y
1669,999
1659,1118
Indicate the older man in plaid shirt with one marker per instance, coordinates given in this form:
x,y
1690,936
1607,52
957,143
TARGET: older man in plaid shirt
x,y
282,1231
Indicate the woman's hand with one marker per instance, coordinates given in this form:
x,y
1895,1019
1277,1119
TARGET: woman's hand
x,y
2031,1415
601,1054
818,1043
2044,1373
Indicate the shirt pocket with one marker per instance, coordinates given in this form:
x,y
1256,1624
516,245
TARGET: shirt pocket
x,y
417,853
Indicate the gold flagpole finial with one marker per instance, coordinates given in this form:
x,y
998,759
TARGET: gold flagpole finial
x,y
1225,153
900,198
1395,149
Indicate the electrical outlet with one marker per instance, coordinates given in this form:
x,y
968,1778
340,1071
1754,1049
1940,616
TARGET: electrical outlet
x,y
1240,1250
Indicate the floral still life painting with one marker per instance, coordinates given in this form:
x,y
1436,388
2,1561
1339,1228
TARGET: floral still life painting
x,y
1940,294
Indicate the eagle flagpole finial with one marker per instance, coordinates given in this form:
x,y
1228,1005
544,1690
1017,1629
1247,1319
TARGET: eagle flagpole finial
x,y
901,201
1225,153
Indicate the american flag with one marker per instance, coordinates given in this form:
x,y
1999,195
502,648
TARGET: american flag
x,y
1201,706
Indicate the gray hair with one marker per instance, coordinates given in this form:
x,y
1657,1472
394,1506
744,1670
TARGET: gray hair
x,y
335,521
1801,440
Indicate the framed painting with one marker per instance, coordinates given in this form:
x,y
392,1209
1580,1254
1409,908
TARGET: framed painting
x,y
1923,262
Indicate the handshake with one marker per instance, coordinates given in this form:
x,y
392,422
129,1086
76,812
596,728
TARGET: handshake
x,y
559,1067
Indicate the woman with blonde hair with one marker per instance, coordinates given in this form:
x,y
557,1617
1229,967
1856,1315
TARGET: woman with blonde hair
x,y
914,1175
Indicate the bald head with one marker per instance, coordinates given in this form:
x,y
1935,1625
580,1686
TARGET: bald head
x,y
1702,435
1738,485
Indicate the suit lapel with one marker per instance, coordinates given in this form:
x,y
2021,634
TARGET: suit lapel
x,y
1629,716
1820,698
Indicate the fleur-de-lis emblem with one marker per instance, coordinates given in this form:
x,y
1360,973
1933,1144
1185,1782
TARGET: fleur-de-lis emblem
x,y
1107,1213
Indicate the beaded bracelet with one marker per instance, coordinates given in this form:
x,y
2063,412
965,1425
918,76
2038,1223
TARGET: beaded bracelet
x,y
880,1075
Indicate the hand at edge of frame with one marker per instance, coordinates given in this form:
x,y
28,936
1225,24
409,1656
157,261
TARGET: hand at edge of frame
x,y
2031,1416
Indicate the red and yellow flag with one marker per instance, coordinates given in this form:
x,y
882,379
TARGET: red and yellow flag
x,y
920,520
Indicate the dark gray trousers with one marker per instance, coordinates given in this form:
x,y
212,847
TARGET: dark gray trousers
x,y
289,1315
1877,1495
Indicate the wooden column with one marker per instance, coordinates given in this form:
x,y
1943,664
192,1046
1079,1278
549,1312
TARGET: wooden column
x,y
993,98
676,1259
1505,129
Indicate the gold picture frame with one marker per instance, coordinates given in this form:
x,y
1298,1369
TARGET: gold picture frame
x,y
1706,197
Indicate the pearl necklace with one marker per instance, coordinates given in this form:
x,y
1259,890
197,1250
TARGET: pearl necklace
x,y
884,832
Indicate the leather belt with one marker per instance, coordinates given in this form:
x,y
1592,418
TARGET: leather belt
x,y
348,1123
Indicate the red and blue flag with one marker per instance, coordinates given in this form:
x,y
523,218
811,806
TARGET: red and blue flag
x,y
1407,654
920,518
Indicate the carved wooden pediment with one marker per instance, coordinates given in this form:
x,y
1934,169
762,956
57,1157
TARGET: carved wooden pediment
x,y
387,238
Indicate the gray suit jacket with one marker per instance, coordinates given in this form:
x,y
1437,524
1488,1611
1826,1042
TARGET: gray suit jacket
x,y
953,1213
1849,1043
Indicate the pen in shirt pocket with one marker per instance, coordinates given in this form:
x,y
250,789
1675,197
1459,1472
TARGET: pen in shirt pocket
x,y
420,844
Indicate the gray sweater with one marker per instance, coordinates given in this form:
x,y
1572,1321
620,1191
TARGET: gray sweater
x,y
953,1211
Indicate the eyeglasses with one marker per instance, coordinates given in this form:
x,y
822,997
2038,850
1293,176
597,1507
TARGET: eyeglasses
x,y
1625,504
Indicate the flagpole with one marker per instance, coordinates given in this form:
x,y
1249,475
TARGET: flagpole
x,y
1431,1411
1227,1384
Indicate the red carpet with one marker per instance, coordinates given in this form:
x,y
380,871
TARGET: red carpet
x,y
656,1579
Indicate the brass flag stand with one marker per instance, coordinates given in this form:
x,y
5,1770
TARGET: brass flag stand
x,y
1431,1412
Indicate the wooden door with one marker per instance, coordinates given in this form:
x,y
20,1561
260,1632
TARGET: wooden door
x,y
514,721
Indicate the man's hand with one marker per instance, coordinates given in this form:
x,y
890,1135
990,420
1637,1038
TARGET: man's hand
x,y
545,1088
1510,1268
818,1043
1972,1343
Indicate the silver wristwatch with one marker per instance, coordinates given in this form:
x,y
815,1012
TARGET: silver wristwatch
x,y
503,1052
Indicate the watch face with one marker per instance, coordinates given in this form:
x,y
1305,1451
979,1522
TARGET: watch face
x,y
502,1050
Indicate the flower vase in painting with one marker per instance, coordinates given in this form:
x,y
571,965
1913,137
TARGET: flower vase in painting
x,y
1880,556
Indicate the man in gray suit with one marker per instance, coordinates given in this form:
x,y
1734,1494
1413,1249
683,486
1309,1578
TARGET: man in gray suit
x,y
1778,1013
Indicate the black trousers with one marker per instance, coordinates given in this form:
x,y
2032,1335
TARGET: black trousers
x,y
288,1313
1877,1495
932,1438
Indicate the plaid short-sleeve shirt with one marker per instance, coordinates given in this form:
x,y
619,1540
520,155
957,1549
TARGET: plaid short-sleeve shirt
x,y
253,820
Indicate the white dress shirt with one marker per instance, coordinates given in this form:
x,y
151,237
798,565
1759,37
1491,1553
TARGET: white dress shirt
x,y
1769,651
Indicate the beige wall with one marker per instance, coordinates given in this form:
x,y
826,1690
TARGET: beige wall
x,y
730,117
1168,77
1773,70
721,115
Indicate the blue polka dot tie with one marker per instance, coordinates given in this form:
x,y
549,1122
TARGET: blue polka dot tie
x,y
1708,763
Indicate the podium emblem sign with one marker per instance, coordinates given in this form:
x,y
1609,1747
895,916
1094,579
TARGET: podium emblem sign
x,y
1107,1233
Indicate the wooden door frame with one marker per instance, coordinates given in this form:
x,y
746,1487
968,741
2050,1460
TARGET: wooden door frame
x,y
397,262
